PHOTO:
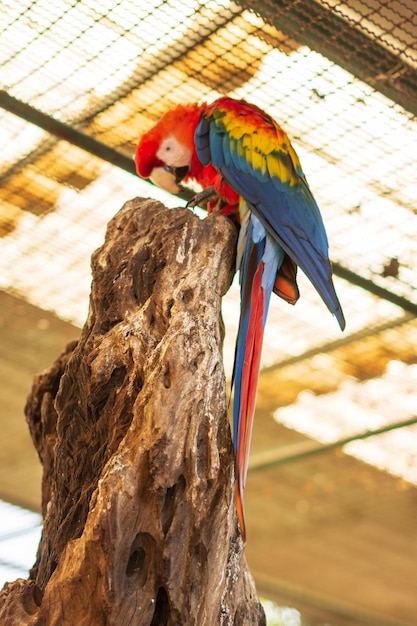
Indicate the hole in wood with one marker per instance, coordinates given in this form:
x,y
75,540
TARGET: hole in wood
x,y
138,383
169,306
187,295
166,376
195,363
169,507
139,561
135,562
31,599
161,613
202,458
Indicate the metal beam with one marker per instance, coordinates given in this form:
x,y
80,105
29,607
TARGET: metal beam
x,y
309,447
65,132
344,340
377,290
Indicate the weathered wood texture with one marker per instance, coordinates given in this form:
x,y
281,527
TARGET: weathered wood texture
x,y
130,424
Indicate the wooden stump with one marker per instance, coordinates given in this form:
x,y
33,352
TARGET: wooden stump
x,y
131,426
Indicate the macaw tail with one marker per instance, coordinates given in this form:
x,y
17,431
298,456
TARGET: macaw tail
x,y
259,263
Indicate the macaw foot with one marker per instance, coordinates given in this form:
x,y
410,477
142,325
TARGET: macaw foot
x,y
208,196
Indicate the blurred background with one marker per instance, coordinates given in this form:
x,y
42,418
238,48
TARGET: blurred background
x,y
331,494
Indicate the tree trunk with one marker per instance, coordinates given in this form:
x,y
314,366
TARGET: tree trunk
x,y
130,424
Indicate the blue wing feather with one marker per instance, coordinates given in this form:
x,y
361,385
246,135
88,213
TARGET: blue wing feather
x,y
289,214
202,141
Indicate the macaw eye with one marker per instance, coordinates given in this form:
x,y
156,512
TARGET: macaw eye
x,y
167,145
173,153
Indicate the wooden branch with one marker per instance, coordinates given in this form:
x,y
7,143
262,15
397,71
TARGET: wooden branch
x,y
131,426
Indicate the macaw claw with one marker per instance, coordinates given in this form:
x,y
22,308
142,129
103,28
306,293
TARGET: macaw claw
x,y
204,197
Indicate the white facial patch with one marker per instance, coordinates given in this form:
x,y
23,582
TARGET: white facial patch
x,y
173,153
164,179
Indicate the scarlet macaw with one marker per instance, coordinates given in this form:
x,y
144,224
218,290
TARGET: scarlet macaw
x,y
248,169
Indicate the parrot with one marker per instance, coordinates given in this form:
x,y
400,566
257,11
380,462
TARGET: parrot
x,y
248,170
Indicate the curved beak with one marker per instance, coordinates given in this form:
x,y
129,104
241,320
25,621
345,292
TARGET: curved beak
x,y
168,177
179,172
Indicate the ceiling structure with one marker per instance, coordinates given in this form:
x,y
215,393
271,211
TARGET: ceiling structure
x,y
331,509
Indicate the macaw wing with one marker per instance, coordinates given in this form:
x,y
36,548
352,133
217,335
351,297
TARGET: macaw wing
x,y
255,157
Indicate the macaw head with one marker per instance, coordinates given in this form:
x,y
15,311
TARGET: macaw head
x,y
166,153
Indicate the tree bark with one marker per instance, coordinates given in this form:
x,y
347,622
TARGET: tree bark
x,y
131,426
